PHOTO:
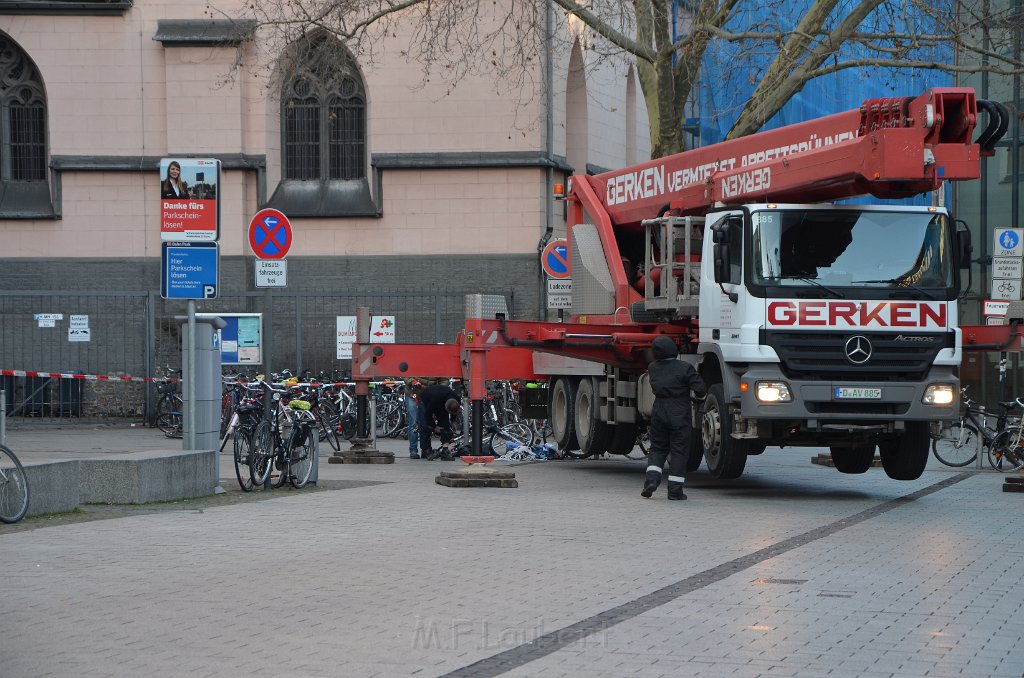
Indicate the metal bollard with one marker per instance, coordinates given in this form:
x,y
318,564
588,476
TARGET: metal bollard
x,y
3,417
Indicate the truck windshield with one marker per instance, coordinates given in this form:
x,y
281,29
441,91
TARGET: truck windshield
x,y
831,248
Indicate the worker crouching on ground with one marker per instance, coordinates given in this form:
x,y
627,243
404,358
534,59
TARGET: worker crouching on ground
x,y
439,405
671,380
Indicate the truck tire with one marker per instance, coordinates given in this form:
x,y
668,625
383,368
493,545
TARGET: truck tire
x,y
563,404
725,456
696,452
853,459
592,433
906,457
623,439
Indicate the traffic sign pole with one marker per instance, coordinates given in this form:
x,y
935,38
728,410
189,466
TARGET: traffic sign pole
x,y
270,236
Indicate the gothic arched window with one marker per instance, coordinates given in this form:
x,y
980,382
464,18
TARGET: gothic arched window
x,y
22,116
323,115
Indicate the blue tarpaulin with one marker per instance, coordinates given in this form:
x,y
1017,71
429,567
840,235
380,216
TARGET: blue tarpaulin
x,y
731,72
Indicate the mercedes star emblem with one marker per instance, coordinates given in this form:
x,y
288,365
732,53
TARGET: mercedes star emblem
x,y
858,350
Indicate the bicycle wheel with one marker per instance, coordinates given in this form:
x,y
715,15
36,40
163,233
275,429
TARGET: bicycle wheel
x,y
518,433
541,430
326,424
13,487
243,445
170,424
302,458
396,420
279,468
262,453
958,447
389,419
1006,452
169,402
229,431
227,411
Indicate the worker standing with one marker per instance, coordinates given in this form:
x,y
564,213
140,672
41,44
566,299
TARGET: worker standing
x,y
413,388
671,380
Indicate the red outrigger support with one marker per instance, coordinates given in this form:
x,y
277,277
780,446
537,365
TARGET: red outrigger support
x,y
993,337
498,349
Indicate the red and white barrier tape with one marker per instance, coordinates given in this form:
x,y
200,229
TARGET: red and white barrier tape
x,y
87,377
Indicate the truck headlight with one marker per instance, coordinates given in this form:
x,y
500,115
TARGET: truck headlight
x,y
772,392
939,394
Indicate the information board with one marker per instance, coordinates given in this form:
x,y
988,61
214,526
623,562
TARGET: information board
x,y
241,341
189,206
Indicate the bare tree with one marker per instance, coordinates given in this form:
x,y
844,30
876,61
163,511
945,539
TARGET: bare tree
x,y
782,46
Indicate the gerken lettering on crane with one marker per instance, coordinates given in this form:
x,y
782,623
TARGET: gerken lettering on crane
x,y
652,182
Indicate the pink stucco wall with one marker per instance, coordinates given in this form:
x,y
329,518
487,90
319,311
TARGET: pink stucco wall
x,y
114,91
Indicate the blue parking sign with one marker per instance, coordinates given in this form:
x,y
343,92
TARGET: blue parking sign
x,y
189,270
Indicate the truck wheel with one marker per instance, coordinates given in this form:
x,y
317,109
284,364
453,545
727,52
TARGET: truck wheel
x,y
696,454
855,459
592,433
563,403
726,456
906,457
623,439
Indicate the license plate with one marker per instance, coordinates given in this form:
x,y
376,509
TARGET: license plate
x,y
857,393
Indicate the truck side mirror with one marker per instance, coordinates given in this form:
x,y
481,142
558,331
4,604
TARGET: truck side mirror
x,y
964,249
722,270
719,233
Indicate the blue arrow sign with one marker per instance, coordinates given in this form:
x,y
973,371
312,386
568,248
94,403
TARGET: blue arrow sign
x,y
555,259
267,237
270,234
189,270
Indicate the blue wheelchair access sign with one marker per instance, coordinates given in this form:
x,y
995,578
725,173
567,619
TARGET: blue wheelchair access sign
x,y
189,270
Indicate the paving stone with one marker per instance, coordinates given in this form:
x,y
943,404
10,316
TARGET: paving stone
x,y
393,575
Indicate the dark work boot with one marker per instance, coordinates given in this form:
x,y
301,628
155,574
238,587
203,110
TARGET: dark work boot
x,y
675,491
651,483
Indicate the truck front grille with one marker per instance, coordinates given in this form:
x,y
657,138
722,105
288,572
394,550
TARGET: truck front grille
x,y
895,356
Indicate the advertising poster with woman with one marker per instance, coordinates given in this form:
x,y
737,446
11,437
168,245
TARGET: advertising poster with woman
x,y
189,211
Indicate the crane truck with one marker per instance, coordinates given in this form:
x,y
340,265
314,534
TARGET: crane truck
x,y
812,323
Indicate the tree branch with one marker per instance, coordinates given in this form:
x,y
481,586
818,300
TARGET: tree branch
x,y
606,31
903,63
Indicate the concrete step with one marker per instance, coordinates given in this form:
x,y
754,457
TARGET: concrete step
x,y
133,478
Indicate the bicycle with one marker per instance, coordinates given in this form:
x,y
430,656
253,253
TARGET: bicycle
x,y
510,437
287,442
170,405
643,444
244,422
344,403
326,415
960,444
236,394
13,487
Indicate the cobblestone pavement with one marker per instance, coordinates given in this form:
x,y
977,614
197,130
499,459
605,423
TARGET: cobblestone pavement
x,y
792,570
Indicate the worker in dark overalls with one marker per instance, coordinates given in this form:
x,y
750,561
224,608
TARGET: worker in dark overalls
x,y
671,380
